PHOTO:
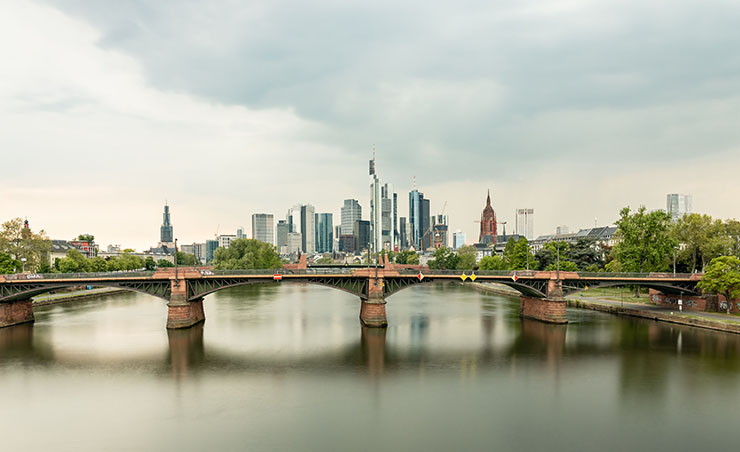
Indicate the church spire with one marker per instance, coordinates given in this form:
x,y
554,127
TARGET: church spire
x,y
488,200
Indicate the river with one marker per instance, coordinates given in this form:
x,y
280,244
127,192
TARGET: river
x,y
288,367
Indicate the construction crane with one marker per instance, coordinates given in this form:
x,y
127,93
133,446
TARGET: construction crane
x,y
444,207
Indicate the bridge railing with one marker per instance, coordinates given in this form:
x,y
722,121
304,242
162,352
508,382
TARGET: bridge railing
x,y
91,275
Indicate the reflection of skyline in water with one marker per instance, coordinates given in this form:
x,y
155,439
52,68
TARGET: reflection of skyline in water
x,y
282,347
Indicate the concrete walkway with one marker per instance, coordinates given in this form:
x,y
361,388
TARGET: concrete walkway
x,y
74,295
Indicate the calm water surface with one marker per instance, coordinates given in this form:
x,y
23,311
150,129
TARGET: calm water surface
x,y
288,367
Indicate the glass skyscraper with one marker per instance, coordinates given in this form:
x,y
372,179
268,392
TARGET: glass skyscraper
x,y
324,232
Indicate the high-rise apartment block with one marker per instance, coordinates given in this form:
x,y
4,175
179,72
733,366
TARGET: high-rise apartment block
x,y
324,232
351,212
678,205
211,246
224,240
262,227
525,223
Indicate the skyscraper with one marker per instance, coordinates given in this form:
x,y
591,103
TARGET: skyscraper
x,y
458,239
211,246
283,229
525,223
308,228
351,212
376,209
441,231
403,240
362,235
418,218
426,227
324,232
488,223
165,231
678,205
387,217
262,227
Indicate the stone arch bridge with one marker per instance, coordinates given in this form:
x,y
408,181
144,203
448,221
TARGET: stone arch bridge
x,y
184,288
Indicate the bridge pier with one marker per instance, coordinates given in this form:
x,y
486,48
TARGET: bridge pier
x,y
550,309
372,310
182,313
16,312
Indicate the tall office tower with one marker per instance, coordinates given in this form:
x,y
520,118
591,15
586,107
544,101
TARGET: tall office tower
x,y
420,236
376,210
426,225
458,239
283,229
165,231
294,243
324,232
199,250
525,223
396,235
677,205
387,219
488,223
240,233
362,235
440,228
403,240
308,228
262,227
211,246
351,212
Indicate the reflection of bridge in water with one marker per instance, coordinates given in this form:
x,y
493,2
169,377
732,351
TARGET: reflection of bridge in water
x,y
541,291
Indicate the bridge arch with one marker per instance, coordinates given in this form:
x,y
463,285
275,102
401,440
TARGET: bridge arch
x,y
29,290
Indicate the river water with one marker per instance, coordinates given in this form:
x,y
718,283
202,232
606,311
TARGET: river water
x,y
288,367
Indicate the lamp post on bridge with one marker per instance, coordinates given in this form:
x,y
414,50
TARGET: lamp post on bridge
x,y
558,264
674,260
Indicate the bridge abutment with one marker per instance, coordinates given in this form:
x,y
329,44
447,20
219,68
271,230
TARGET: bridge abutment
x,y
16,312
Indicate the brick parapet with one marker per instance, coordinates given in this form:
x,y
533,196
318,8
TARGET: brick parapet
x,y
184,314
16,312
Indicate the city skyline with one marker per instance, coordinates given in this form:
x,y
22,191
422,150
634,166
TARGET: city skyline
x,y
86,87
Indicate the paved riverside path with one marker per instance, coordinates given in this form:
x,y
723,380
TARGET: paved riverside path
x,y
660,309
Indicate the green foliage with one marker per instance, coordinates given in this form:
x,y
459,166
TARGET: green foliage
x,y
8,264
185,259
75,262
96,264
466,257
565,266
407,257
443,259
586,253
722,276
164,263
515,254
20,242
149,263
644,244
323,260
492,263
86,238
247,253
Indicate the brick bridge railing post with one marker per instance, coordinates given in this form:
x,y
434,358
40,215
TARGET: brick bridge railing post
x,y
372,310
182,313
550,309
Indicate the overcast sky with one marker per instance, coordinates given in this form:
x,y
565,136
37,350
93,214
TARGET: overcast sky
x,y
226,108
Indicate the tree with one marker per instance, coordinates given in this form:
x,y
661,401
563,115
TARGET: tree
x,y
164,263
128,261
86,238
97,264
692,231
467,256
722,276
565,266
443,259
149,263
20,242
643,242
407,257
515,254
324,260
492,263
74,262
8,264
586,253
185,259
245,254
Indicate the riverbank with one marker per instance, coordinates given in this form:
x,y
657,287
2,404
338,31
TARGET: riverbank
x,y
711,321
643,309
63,297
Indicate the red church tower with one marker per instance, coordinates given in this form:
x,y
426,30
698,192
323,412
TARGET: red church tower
x,y
488,223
